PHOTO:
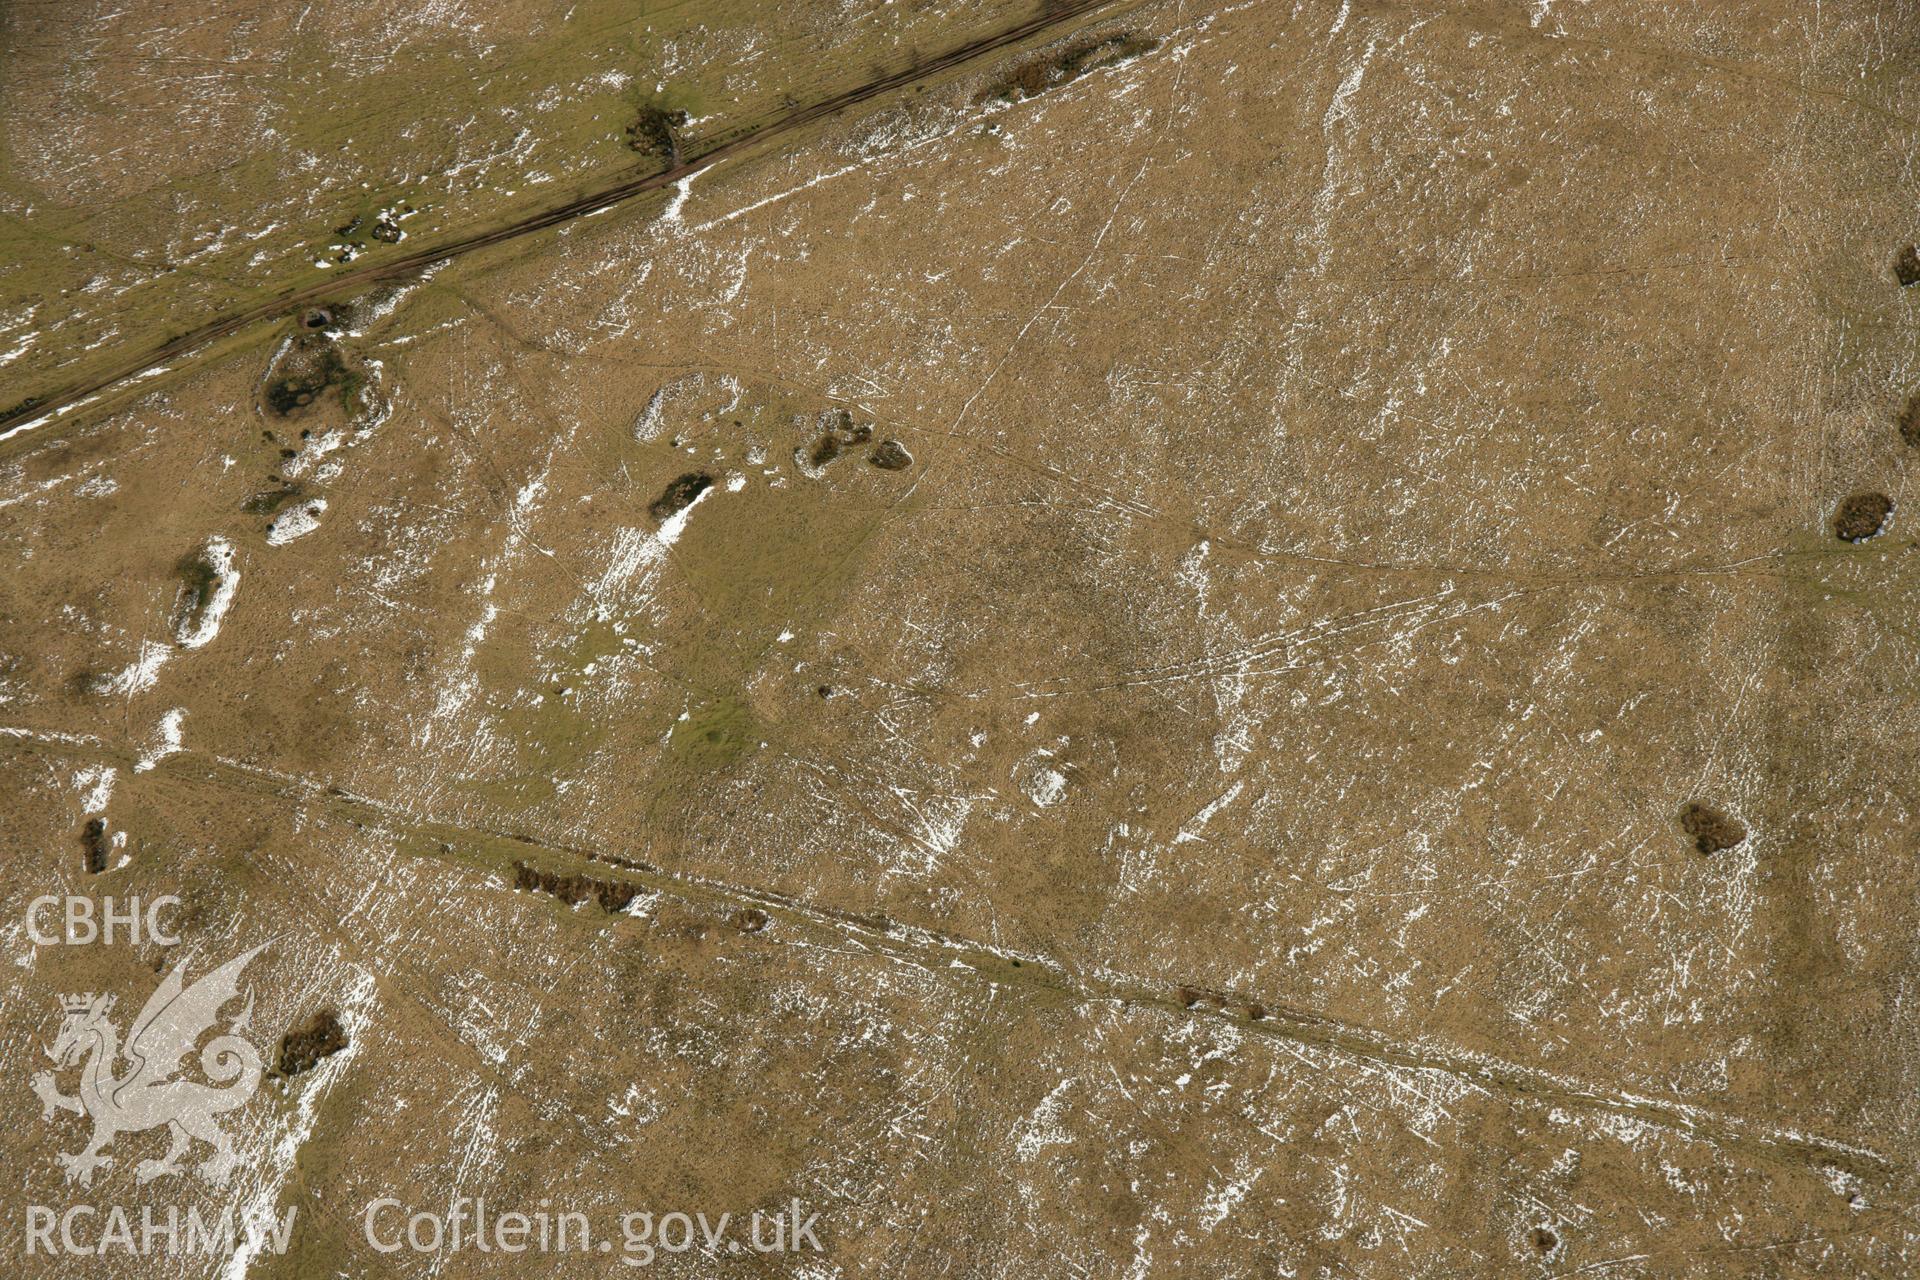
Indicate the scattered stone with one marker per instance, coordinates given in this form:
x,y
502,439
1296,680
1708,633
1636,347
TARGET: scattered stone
x,y
1711,829
311,1043
1861,516
679,495
657,132
751,920
890,455
574,889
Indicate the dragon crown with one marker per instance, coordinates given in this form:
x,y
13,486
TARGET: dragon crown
x,y
81,1002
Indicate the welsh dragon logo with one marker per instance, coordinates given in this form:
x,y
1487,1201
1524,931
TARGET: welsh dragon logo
x,y
147,1095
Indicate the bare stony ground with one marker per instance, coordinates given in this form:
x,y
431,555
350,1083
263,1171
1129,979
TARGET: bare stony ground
x,y
1227,641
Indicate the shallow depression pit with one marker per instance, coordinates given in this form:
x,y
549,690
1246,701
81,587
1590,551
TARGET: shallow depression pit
x,y
844,426
1906,266
1861,516
269,501
828,448
311,1043
208,580
93,840
312,367
712,736
890,455
838,433
1711,830
1909,423
679,495
199,580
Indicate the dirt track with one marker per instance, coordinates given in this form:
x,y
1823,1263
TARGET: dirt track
x,y
32,411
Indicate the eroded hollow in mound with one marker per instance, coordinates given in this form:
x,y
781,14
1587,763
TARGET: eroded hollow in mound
x,y
1711,829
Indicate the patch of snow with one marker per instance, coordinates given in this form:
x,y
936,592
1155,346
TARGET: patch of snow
x,y
681,190
168,740
1222,1200
1042,1128
674,525
140,674
1045,787
95,782
1192,828
21,348
296,523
